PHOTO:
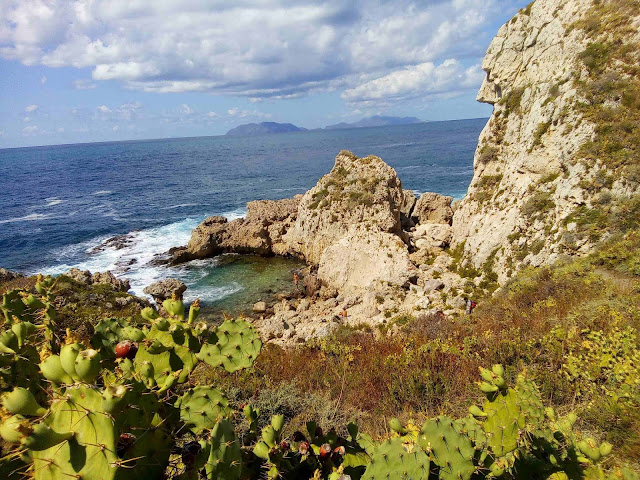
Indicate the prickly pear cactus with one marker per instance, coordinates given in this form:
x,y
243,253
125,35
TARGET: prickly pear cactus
x,y
221,456
81,440
170,346
394,461
448,448
108,332
503,421
237,347
202,407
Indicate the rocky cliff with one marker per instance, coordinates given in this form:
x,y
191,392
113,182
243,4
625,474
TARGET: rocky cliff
x,y
556,167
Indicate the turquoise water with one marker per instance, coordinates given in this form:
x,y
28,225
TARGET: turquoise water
x,y
59,202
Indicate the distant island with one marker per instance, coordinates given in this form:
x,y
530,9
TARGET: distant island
x,y
268,128
375,121
264,128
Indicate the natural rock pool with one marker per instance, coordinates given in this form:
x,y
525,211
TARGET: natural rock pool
x,y
246,279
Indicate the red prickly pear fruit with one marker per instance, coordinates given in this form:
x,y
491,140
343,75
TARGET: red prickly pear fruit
x,y
340,451
304,447
325,451
126,349
284,445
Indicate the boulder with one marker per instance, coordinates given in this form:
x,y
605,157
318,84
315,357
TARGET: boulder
x,y
365,259
357,191
260,232
433,208
86,278
164,289
433,284
260,307
428,235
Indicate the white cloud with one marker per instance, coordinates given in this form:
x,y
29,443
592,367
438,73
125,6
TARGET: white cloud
x,y
129,111
31,108
423,80
31,131
1,133
43,80
236,112
26,119
257,49
84,84
104,109
212,115
60,129
116,128
185,109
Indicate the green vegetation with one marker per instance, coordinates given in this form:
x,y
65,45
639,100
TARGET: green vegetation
x,y
539,204
487,154
612,90
542,129
512,101
138,402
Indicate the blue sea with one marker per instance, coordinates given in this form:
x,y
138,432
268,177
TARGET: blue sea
x,y
57,203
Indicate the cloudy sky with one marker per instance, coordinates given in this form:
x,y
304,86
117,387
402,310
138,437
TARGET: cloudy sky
x,y
98,70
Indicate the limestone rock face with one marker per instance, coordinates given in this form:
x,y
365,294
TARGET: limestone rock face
x,y
366,260
357,191
433,208
406,208
260,232
529,175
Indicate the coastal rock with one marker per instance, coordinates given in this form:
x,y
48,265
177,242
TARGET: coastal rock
x,y
357,191
531,175
433,208
7,275
428,235
260,232
117,242
259,307
164,289
86,278
364,260
409,200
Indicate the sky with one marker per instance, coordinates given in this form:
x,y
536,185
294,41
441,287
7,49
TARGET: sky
x,y
75,71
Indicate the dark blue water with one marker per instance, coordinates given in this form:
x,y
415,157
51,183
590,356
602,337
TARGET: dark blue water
x,y
58,202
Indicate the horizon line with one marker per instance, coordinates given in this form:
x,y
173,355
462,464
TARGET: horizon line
x,y
98,142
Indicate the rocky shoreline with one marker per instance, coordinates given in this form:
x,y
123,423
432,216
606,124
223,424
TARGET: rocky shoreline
x,y
374,251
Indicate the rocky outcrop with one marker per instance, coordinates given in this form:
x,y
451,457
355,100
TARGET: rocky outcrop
x,y
164,289
86,278
533,176
367,259
357,191
8,275
433,208
260,232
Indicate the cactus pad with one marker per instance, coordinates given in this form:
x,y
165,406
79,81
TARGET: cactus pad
x,y
391,460
451,450
237,347
202,407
